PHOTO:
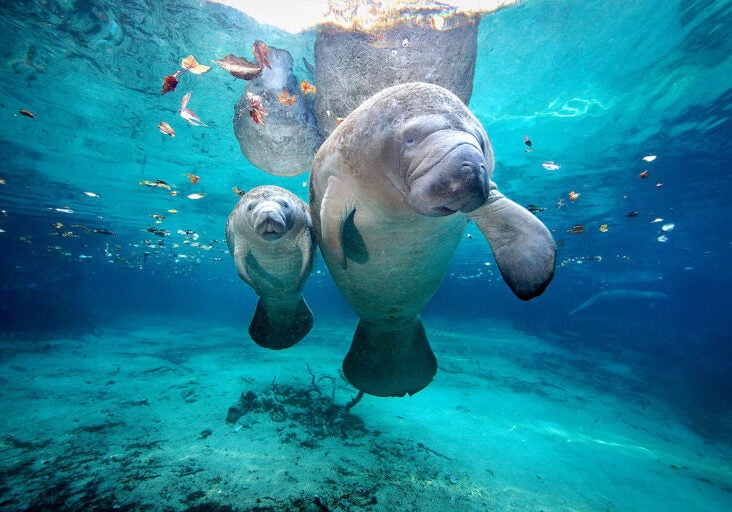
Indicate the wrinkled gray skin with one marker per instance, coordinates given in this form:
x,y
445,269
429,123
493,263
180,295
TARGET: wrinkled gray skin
x,y
391,191
270,236
285,145
351,66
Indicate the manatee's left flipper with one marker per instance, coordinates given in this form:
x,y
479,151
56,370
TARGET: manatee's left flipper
x,y
334,212
523,247
241,254
280,327
307,251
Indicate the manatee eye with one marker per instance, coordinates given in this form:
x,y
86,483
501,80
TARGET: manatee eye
x,y
409,140
283,204
250,207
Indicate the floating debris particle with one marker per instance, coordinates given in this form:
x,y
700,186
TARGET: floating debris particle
x,y
195,196
643,174
339,120
194,179
551,166
603,228
649,158
239,192
573,195
166,129
632,214
156,183
174,212
63,210
577,229
26,113
535,208
528,143
103,231
659,185
668,227
91,194
662,238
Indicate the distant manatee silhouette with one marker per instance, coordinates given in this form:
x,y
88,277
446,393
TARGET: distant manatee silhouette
x,y
614,296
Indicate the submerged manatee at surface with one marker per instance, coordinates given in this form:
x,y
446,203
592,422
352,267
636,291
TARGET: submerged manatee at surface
x,y
351,65
391,191
285,145
269,234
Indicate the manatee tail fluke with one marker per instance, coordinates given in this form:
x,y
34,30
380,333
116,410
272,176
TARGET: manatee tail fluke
x,y
278,328
390,359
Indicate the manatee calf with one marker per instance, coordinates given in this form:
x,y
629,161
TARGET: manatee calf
x,y
284,142
391,191
270,236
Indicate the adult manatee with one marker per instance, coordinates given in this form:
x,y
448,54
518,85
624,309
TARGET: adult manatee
x,y
391,191
270,236
351,65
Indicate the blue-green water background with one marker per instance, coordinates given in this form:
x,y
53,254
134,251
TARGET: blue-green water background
x,y
595,85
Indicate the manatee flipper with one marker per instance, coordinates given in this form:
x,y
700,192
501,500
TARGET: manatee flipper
x,y
241,253
280,327
333,215
523,247
387,359
306,246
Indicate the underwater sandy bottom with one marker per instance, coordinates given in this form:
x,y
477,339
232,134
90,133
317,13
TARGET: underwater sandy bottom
x,y
134,417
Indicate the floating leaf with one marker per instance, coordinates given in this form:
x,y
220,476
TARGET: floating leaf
x,y
603,228
643,174
27,113
261,53
573,195
191,64
307,87
170,82
166,129
195,196
551,166
194,179
286,98
239,67
187,114
577,229
91,194
649,158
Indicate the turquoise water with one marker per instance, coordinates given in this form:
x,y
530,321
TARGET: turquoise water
x,y
122,353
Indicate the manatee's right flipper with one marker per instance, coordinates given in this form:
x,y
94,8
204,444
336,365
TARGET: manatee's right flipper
x,y
523,247
279,328
390,359
335,208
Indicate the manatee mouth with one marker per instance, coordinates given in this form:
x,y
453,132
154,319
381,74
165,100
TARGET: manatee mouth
x,y
270,226
457,182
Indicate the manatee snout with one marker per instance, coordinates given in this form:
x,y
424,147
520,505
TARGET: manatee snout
x,y
458,182
270,222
